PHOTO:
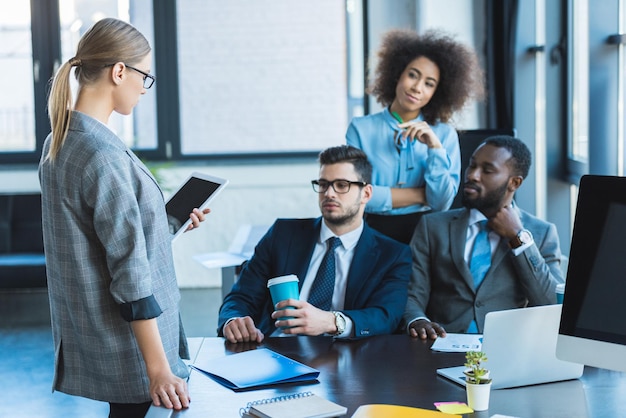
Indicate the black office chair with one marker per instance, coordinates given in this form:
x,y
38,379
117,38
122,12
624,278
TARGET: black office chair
x,y
468,141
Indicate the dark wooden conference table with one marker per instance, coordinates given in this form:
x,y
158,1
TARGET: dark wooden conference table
x,y
394,369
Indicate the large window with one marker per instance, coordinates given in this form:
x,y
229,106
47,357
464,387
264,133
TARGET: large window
x,y
33,43
139,129
17,101
261,76
578,91
597,88
236,78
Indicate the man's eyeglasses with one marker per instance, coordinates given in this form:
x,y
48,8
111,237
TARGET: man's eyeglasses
x,y
339,186
148,79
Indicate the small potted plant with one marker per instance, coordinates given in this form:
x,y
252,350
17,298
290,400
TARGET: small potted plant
x,y
478,383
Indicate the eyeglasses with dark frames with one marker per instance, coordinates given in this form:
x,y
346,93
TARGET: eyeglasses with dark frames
x,y
339,186
148,79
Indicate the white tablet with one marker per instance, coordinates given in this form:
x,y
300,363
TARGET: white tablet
x,y
197,191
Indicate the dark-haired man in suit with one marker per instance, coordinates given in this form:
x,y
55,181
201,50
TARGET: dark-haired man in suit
x,y
488,256
368,292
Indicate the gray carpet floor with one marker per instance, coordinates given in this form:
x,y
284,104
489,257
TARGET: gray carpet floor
x,y
27,355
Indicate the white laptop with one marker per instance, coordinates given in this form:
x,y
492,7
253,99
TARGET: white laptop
x,y
521,349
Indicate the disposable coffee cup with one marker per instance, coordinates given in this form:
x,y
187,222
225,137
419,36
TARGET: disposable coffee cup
x,y
560,292
283,288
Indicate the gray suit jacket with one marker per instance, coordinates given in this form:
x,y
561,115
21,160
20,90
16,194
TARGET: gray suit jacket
x,y
442,287
107,242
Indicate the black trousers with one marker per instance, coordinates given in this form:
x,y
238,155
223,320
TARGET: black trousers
x,y
398,227
129,410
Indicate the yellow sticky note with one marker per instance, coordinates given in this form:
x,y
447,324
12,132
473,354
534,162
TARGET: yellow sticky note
x,y
453,407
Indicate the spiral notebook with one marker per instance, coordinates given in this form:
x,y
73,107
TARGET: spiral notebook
x,y
299,405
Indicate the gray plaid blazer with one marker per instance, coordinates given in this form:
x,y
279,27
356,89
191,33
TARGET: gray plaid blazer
x,y
107,242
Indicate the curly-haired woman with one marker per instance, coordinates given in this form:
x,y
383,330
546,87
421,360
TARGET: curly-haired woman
x,y
421,79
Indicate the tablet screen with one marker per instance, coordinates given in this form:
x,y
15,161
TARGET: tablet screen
x,y
196,192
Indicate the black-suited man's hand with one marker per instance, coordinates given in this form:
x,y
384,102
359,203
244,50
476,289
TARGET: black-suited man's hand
x,y
242,330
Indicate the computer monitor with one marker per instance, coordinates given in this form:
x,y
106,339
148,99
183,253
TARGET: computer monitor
x,y
593,321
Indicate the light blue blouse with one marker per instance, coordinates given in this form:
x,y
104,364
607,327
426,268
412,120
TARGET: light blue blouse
x,y
408,164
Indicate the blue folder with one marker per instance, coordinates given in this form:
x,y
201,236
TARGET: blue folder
x,y
255,368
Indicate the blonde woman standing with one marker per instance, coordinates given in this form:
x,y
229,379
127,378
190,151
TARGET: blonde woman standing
x,y
112,287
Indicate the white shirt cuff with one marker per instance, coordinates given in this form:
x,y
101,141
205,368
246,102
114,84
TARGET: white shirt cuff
x,y
408,326
517,251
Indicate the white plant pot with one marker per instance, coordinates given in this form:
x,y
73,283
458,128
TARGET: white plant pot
x,y
478,396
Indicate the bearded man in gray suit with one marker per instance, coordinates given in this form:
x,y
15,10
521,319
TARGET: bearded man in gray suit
x,y
520,260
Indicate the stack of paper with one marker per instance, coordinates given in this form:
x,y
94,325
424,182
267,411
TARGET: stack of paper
x,y
458,343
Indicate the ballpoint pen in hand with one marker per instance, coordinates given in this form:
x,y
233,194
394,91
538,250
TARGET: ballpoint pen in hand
x,y
398,135
397,117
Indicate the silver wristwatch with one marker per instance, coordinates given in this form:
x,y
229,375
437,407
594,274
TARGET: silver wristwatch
x,y
523,237
340,322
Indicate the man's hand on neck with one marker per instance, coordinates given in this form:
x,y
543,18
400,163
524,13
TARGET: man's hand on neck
x,y
506,222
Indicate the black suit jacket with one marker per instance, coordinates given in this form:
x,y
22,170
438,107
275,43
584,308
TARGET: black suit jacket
x,y
377,284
